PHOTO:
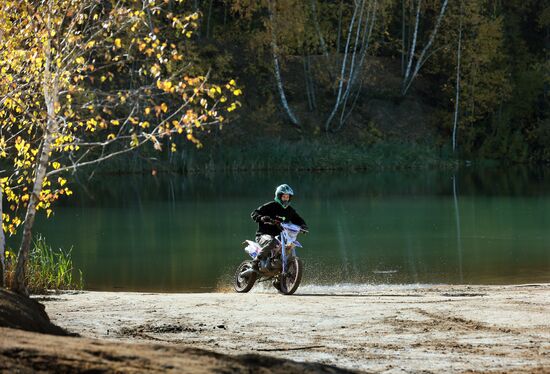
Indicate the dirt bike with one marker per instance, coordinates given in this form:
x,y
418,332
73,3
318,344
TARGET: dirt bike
x,y
283,267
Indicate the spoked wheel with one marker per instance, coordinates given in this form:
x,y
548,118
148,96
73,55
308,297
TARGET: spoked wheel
x,y
244,283
291,280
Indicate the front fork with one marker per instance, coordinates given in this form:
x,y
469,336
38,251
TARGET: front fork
x,y
283,253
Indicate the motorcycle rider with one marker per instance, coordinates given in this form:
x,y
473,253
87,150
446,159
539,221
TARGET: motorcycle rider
x,y
267,216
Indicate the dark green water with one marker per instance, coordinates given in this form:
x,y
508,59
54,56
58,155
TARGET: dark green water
x,y
184,233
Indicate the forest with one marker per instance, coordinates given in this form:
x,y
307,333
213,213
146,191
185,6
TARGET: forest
x,y
467,77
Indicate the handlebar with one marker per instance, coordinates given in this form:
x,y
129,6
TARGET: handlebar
x,y
279,220
278,224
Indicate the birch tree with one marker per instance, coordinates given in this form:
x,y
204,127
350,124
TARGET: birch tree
x,y
84,81
276,26
276,66
457,97
410,71
296,28
473,61
355,52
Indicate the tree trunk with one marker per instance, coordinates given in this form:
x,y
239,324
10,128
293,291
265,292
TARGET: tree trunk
x,y
402,36
354,73
310,90
19,284
412,49
309,103
422,58
322,42
353,79
51,94
345,116
2,246
339,37
342,73
457,99
277,69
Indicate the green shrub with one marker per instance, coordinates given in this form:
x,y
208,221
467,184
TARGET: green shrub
x,y
47,269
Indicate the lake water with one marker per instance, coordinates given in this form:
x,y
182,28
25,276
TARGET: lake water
x,y
176,233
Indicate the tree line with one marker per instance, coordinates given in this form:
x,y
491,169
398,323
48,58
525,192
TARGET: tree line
x,y
485,63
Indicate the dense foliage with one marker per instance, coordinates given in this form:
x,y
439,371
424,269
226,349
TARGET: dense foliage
x,y
331,67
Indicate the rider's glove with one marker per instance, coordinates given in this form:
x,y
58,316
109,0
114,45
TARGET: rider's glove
x,y
267,219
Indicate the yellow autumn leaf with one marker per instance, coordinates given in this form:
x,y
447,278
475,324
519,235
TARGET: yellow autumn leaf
x,y
164,85
135,141
118,43
155,70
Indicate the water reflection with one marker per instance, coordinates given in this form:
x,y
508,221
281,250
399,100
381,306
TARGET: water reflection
x,y
458,233
174,233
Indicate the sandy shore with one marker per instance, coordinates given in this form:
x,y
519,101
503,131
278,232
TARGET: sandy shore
x,y
373,329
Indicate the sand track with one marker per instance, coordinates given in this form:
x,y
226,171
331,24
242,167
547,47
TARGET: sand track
x,y
375,329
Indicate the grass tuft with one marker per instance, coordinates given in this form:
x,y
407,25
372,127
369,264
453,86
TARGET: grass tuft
x,y
47,269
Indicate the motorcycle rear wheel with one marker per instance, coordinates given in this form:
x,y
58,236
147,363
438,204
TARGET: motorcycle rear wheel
x,y
291,279
244,284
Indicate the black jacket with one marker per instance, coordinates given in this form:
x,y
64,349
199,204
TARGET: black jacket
x,y
275,210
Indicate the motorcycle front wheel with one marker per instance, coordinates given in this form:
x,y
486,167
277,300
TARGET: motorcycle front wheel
x,y
244,283
290,281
